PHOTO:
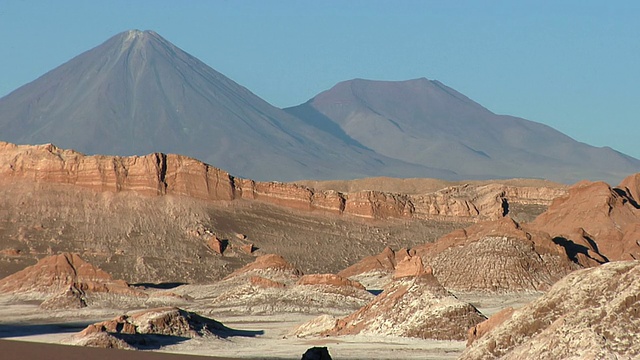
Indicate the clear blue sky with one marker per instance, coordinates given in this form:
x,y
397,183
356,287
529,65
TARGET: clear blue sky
x,y
574,65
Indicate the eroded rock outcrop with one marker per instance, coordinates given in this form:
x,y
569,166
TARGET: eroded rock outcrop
x,y
595,222
64,280
631,185
72,298
265,283
262,297
290,195
271,285
494,256
248,248
590,314
216,244
375,271
484,327
167,174
497,256
411,267
153,175
329,280
271,266
161,321
100,339
315,326
11,252
126,331
412,305
383,262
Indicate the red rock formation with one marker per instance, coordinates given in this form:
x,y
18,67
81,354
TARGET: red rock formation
x,y
412,306
173,321
411,267
72,298
272,288
57,274
403,253
248,248
315,326
499,255
328,279
159,174
119,325
268,262
154,174
595,222
631,185
216,244
265,283
533,195
11,252
160,321
377,205
384,262
462,202
589,314
484,327
101,339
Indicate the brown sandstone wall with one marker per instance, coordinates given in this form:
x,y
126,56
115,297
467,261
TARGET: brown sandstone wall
x,y
159,174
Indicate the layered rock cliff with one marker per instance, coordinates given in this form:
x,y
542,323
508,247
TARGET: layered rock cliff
x,y
167,174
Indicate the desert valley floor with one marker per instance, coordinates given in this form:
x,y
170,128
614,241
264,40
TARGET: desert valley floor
x,y
26,322
163,254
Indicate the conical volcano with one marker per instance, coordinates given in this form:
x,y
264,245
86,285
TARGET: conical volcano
x,y
137,93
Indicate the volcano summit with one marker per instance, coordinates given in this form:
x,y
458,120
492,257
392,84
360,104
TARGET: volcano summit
x,y
137,93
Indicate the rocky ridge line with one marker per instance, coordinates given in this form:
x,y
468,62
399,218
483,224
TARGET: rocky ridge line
x,y
160,174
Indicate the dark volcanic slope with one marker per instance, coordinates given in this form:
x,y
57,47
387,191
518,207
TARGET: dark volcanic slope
x,y
428,123
137,93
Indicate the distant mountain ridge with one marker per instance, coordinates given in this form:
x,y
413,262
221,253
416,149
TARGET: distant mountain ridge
x,y
426,122
137,94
